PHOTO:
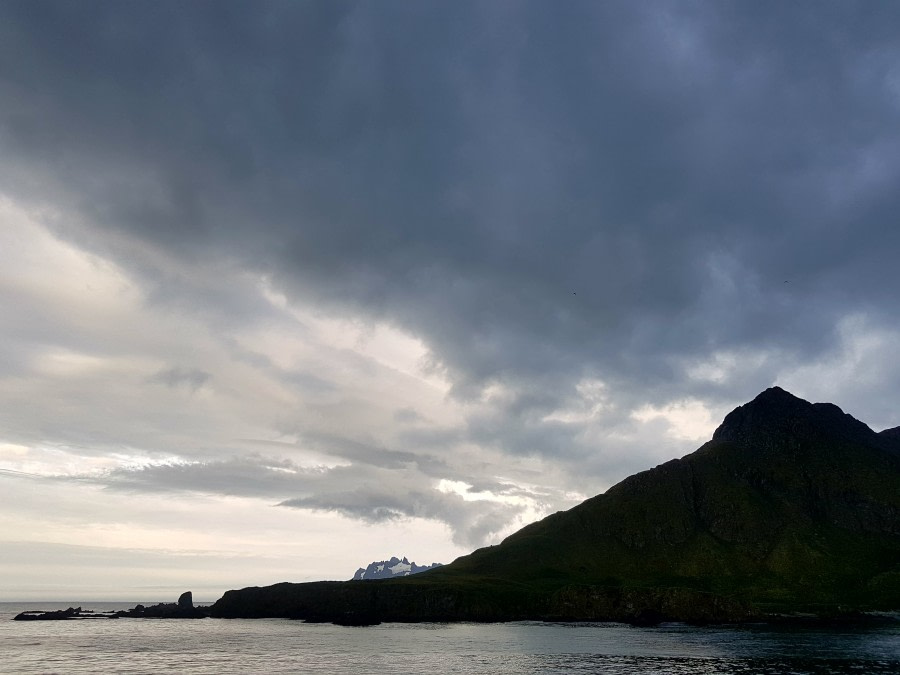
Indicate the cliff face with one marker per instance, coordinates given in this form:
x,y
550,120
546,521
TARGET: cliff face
x,y
791,506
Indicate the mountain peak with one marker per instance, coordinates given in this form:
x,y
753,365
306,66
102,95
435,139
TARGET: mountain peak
x,y
388,569
778,413
776,393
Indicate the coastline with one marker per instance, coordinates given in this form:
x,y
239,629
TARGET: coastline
x,y
375,614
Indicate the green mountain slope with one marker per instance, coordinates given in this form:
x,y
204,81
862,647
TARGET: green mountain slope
x,y
791,507
791,504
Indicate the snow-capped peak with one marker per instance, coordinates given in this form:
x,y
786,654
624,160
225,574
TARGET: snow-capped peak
x,y
387,569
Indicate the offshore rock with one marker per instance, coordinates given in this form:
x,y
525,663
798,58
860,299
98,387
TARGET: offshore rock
x,y
183,609
58,615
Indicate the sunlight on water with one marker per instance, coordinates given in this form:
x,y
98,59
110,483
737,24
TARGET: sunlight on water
x,y
279,646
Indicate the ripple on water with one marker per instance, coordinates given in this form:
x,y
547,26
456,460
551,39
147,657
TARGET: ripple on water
x,y
275,646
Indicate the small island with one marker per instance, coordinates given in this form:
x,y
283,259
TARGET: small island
x,y
183,609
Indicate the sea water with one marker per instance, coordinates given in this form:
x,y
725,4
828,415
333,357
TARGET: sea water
x,y
282,646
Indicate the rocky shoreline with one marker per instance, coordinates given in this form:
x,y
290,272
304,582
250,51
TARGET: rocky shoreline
x,y
635,608
183,609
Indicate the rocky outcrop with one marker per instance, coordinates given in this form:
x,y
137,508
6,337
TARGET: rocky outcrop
x,y
183,609
62,615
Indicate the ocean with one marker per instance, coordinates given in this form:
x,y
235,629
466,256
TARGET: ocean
x,y
280,646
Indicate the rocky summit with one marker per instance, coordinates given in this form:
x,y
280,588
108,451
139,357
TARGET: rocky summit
x,y
791,508
388,569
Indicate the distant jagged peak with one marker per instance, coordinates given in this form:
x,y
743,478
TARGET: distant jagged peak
x,y
388,569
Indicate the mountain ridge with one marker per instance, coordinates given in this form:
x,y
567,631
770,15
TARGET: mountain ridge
x,y
388,569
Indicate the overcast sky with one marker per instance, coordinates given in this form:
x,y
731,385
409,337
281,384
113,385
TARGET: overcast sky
x,y
288,287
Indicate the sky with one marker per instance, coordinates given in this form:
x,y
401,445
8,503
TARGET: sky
x,y
289,287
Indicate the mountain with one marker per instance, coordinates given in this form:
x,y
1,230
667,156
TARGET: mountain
x,y
791,507
388,569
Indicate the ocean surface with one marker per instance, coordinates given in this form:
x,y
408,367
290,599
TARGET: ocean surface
x,y
282,646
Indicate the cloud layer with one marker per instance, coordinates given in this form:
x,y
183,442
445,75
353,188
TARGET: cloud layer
x,y
458,263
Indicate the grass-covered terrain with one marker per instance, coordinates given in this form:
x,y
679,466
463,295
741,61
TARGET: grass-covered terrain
x,y
792,507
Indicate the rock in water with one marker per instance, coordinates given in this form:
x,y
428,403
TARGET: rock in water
x,y
183,609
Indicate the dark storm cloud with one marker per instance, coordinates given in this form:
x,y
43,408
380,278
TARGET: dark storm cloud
x,y
377,456
367,493
472,522
542,192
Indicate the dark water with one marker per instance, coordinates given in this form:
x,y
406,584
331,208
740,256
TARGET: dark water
x,y
279,646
